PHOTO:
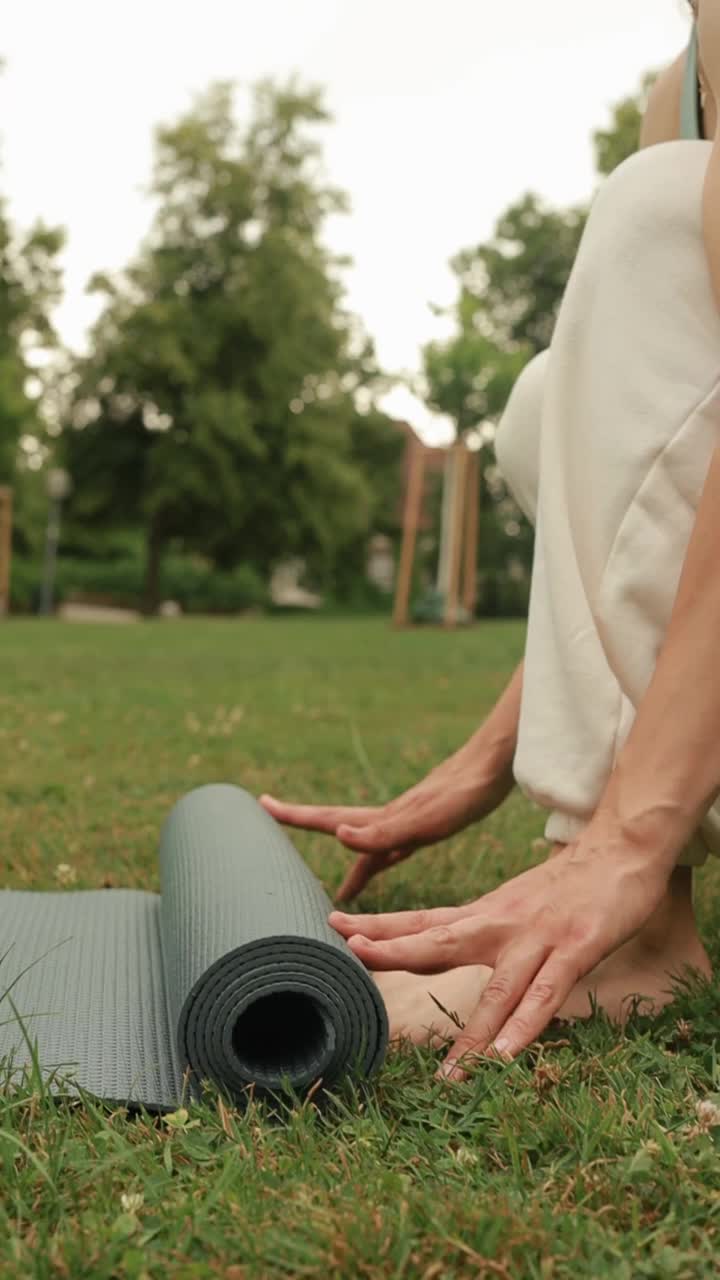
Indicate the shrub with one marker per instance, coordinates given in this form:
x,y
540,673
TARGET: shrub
x,y
501,595
197,587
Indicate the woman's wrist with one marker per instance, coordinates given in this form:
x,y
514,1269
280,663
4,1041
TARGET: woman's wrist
x,y
635,818
490,751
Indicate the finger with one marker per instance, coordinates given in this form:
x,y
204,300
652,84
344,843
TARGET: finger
x,y
444,946
408,823
544,998
361,872
397,924
400,855
385,835
514,973
316,817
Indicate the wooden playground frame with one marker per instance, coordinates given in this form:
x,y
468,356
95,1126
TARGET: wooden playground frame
x,y
457,575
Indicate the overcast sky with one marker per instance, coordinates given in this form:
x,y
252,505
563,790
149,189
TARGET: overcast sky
x,y
445,110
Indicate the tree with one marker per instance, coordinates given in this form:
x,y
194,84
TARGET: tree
x,y
512,287
469,377
219,404
29,286
622,139
509,295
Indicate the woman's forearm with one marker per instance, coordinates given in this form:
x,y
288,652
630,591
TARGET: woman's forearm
x,y
495,742
668,773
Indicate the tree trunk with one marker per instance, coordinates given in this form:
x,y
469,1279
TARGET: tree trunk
x,y
151,589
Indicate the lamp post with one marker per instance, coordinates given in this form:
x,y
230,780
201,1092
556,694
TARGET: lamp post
x,y
59,485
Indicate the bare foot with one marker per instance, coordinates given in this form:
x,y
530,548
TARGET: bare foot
x,y
639,974
412,1012
632,980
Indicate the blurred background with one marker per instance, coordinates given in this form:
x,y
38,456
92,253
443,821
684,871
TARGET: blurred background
x,y
250,254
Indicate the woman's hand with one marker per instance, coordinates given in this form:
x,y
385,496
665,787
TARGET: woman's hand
x,y
466,787
540,932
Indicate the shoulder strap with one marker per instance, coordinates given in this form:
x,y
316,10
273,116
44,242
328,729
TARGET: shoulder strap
x,y
690,125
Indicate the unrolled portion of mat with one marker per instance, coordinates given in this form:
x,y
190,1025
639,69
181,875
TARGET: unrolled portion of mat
x,y
231,974
82,993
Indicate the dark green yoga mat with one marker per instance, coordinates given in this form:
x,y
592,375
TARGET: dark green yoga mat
x,y
231,974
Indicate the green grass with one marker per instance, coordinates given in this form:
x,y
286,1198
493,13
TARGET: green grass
x,y
585,1159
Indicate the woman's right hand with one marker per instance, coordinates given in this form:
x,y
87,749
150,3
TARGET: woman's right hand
x,y
460,791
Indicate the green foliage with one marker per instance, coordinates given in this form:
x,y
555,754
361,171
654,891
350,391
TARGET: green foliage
x,y
218,404
353,596
512,287
30,507
622,139
218,409
378,449
29,286
502,595
509,294
469,377
196,587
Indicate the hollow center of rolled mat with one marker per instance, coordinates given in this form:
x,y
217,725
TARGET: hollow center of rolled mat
x,y
283,1034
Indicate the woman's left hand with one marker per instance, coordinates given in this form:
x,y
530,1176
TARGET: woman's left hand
x,y
540,932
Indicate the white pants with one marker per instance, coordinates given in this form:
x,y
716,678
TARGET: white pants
x,y
606,443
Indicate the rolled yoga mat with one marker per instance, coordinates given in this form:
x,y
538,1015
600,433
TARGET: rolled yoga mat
x,y
231,974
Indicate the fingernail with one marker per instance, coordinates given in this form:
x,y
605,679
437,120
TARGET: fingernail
x,y
501,1049
361,946
449,1070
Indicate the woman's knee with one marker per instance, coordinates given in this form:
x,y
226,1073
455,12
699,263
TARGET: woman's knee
x,y
517,442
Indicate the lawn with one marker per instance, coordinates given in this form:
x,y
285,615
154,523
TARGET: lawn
x,y
585,1159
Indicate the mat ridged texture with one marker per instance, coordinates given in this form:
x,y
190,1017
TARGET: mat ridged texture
x,y
232,974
